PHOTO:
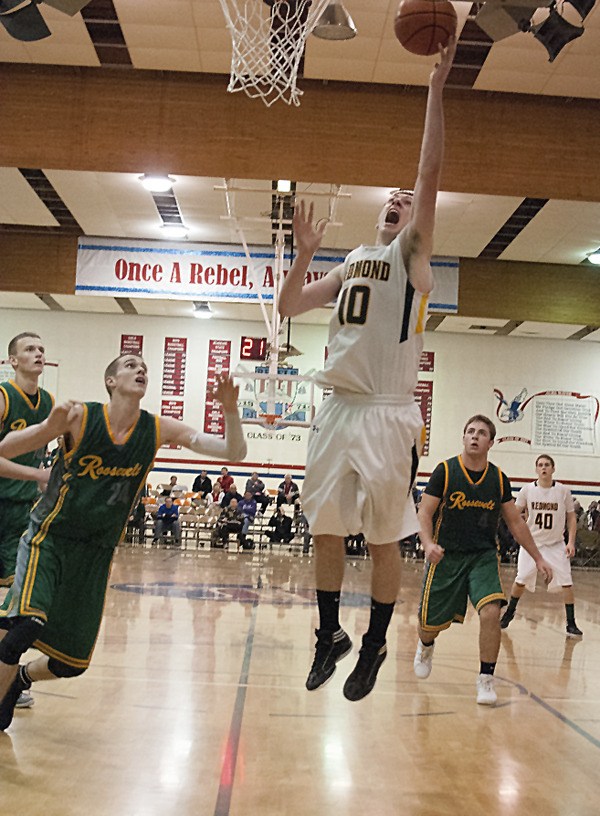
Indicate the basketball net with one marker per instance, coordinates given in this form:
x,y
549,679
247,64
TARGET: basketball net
x,y
268,39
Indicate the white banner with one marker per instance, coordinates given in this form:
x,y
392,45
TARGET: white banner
x,y
548,421
144,269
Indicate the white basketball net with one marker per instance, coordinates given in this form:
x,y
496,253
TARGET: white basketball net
x,y
267,45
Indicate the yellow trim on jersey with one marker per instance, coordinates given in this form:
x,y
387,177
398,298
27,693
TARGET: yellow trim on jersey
x,y
109,429
70,661
77,442
26,397
147,473
501,479
6,404
464,470
423,439
157,431
442,505
422,314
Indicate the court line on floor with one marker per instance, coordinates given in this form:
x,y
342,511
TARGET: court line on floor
x,y
228,767
555,713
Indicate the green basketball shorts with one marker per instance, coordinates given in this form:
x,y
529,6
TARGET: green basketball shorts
x,y
14,519
458,578
63,582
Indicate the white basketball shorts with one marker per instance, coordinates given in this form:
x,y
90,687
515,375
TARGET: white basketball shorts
x,y
363,453
556,556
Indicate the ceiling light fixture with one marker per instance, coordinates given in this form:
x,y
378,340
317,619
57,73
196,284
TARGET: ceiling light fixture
x,y
156,183
202,310
594,257
174,230
284,186
335,24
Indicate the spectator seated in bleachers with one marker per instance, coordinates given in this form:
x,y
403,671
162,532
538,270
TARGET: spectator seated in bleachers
x,y
225,479
230,522
281,532
172,489
247,507
229,495
288,492
202,484
302,529
258,490
167,521
137,522
592,517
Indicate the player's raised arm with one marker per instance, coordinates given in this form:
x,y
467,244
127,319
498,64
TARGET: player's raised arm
x,y
417,238
297,297
58,422
232,448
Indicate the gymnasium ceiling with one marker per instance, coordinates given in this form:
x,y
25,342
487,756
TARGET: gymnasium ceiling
x,y
190,36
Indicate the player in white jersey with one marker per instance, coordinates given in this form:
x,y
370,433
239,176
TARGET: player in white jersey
x,y
549,509
366,438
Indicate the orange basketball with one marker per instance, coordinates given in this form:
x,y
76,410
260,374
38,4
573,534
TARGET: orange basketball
x,y
421,24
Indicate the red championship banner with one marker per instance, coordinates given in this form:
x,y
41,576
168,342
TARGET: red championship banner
x,y
219,362
172,408
424,397
132,344
427,360
174,361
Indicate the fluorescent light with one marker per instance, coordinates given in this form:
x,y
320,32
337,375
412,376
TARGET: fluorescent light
x,y
157,184
174,230
284,186
202,310
594,257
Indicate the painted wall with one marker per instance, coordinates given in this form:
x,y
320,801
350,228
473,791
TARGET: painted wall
x,y
467,369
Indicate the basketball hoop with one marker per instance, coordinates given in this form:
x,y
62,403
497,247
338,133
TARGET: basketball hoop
x,y
270,421
268,39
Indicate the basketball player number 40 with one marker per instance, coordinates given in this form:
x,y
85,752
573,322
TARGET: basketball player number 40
x,y
354,305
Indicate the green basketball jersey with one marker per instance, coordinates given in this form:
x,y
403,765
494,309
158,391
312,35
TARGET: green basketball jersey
x,y
467,517
20,411
93,486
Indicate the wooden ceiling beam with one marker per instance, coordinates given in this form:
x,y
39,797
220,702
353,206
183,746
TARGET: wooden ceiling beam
x,y
347,133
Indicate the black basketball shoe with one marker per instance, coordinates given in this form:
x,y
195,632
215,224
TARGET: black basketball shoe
x,y
506,618
331,647
573,631
363,678
7,706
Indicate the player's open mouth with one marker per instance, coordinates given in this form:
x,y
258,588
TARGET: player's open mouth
x,y
141,380
392,217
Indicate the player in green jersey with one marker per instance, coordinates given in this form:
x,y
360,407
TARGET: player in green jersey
x,y
458,518
22,403
63,560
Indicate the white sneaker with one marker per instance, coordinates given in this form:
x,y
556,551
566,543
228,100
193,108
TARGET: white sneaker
x,y
423,659
486,694
25,700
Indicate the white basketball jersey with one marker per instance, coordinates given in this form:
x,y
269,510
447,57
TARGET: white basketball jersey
x,y
376,330
547,509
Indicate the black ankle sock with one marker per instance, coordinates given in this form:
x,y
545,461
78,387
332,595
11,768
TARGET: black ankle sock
x,y
512,604
24,677
381,615
329,610
570,610
486,668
